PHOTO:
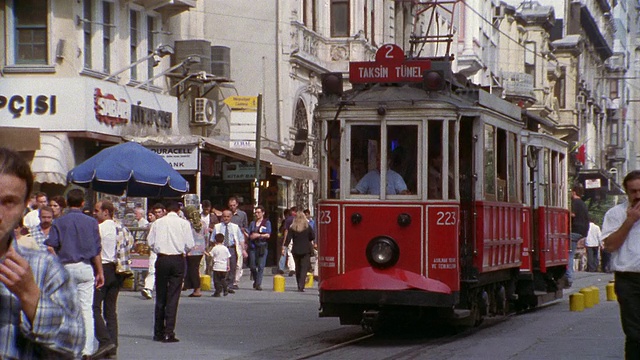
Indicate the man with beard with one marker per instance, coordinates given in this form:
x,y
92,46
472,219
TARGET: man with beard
x,y
40,316
40,232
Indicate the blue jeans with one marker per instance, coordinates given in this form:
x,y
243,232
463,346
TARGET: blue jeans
x,y
257,262
574,237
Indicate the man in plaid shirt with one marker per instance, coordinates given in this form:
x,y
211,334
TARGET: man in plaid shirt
x,y
39,317
40,232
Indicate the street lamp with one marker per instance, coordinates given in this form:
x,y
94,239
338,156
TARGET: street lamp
x,y
160,51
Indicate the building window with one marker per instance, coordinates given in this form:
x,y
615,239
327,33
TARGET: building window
x,y
151,44
133,41
87,31
613,89
107,19
30,18
339,18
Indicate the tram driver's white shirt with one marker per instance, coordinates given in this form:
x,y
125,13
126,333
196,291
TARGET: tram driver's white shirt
x,y
627,257
170,235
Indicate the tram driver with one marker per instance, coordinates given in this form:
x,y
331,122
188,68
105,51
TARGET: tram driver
x,y
370,183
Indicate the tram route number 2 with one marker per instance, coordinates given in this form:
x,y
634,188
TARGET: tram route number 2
x,y
324,217
446,218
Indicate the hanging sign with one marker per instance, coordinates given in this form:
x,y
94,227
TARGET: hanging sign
x,y
390,66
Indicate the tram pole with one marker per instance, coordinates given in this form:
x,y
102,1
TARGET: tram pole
x,y
256,180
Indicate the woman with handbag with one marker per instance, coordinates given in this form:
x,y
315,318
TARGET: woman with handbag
x,y
192,275
259,234
302,236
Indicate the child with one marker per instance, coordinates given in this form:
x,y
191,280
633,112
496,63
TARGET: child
x,y
220,255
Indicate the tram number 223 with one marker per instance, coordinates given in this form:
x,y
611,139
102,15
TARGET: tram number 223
x,y
445,218
325,217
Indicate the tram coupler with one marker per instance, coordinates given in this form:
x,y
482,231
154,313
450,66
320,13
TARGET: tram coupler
x,y
370,320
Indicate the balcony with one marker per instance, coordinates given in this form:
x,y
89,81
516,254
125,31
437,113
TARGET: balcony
x,y
518,85
616,153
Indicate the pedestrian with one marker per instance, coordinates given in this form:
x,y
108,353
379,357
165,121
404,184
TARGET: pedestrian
x,y
58,204
286,250
194,257
302,236
75,238
239,218
579,226
221,259
114,236
259,234
141,220
593,243
282,259
33,217
41,317
159,211
170,237
40,232
621,234
234,241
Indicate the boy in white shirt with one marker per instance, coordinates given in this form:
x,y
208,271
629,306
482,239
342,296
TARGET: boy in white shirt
x,y
220,255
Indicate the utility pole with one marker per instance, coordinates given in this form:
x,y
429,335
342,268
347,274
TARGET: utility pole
x,y
256,180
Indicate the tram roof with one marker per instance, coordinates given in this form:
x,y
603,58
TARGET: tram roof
x,y
401,95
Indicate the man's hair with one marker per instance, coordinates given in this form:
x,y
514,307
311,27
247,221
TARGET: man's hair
x,y
158,206
294,209
261,209
11,163
233,198
59,199
306,212
578,189
206,203
41,194
75,198
633,175
45,208
219,237
107,205
173,206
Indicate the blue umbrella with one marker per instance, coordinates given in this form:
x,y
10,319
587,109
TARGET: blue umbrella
x,y
130,168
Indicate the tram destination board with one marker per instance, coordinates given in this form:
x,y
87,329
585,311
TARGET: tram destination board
x,y
390,66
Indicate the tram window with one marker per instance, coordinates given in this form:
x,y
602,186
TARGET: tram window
x,y
452,159
364,159
501,164
544,185
333,158
402,156
490,163
435,160
512,179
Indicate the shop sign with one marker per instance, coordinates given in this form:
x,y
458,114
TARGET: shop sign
x,y
239,171
180,157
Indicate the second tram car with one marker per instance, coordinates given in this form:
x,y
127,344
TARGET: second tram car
x,y
436,199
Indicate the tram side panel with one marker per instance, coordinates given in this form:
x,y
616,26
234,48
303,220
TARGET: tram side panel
x,y
553,240
500,238
329,240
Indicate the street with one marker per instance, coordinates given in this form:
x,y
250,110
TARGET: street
x,y
268,325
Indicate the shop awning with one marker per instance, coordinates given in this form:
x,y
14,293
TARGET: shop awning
x,y
598,183
279,166
54,159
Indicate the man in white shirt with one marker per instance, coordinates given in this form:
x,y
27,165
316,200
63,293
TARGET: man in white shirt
x,y
32,219
621,234
150,280
170,237
593,243
141,217
234,241
106,318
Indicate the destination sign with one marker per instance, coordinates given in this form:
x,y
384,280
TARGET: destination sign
x,y
390,66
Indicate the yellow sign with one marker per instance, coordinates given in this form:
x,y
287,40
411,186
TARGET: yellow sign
x,y
242,102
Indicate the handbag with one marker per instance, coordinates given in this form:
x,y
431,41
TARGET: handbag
x,y
124,243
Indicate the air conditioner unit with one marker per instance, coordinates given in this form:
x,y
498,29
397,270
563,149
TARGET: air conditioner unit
x,y
204,112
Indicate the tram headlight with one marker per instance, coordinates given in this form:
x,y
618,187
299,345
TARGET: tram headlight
x,y
382,252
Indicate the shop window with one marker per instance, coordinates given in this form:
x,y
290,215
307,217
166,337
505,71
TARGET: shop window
x,y
340,18
30,31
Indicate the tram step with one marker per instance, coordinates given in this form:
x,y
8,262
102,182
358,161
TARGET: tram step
x,y
461,313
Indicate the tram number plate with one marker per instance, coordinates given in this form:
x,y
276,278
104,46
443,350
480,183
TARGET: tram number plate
x,y
325,217
446,218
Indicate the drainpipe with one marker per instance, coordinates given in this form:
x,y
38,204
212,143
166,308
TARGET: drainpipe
x,y
278,119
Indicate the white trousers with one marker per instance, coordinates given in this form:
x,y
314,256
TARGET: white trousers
x,y
150,280
82,275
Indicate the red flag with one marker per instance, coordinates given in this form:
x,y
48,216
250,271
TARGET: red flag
x,y
582,154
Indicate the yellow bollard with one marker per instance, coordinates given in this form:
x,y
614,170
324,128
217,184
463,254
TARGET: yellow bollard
x,y
309,283
278,283
596,295
128,283
611,292
576,302
205,282
588,297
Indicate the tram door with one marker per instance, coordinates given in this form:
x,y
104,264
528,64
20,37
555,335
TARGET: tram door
x,y
467,204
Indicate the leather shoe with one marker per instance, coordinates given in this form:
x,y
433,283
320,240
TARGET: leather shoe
x,y
258,287
231,291
157,338
103,350
170,339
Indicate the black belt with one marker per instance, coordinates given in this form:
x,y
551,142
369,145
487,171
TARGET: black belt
x,y
166,255
231,247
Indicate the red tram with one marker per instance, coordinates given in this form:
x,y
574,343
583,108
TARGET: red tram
x,y
478,222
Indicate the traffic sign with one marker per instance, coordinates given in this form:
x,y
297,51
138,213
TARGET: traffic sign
x,y
242,102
